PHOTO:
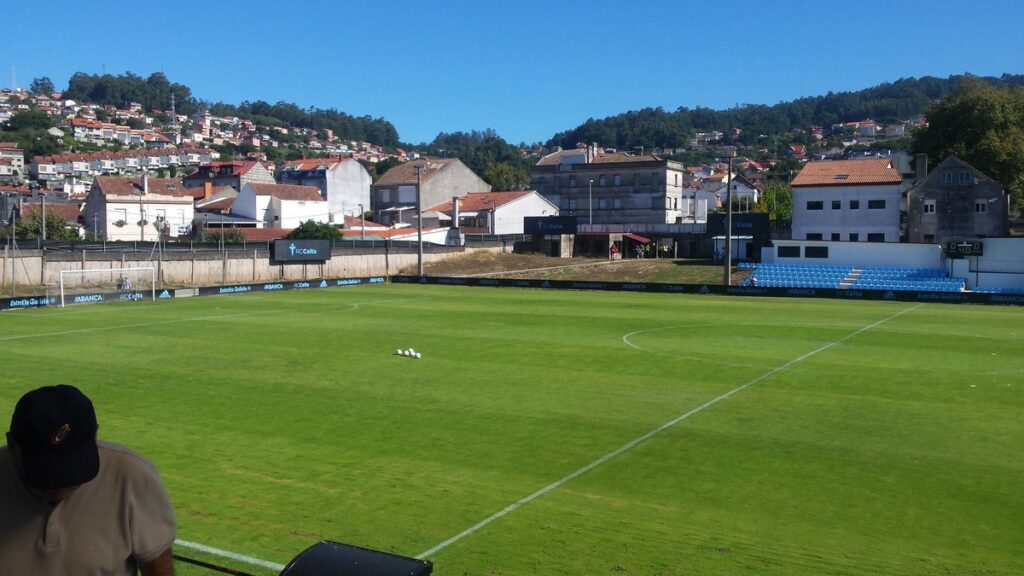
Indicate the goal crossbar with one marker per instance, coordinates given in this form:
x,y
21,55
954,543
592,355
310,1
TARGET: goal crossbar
x,y
119,271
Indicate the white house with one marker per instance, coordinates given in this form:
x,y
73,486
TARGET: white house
x,y
120,208
492,212
847,200
280,205
343,182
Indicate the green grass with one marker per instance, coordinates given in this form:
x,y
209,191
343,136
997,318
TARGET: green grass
x,y
280,419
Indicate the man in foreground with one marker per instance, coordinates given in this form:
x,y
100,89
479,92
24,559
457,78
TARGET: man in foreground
x,y
70,505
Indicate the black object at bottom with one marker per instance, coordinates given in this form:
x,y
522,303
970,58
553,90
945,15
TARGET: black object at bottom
x,y
326,558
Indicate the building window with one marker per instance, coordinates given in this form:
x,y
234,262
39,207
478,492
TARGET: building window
x,y
385,196
876,204
617,203
602,180
835,236
929,238
572,181
928,207
964,178
814,236
816,252
854,237
980,206
617,180
789,252
876,237
854,204
837,204
602,203
815,205
677,179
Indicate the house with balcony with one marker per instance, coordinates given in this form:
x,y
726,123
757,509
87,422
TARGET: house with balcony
x,y
12,164
604,187
235,173
847,200
956,201
343,182
438,179
139,208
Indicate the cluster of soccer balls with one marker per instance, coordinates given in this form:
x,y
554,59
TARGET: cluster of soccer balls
x,y
409,352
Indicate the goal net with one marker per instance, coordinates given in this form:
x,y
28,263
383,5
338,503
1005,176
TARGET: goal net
x,y
94,285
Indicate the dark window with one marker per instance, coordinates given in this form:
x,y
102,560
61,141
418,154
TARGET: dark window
x,y
837,204
815,204
835,236
980,206
854,204
572,181
876,237
814,236
816,252
854,237
602,181
876,204
929,238
789,251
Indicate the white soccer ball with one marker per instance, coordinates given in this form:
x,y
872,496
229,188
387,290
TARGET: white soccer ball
x,y
406,353
398,352
418,355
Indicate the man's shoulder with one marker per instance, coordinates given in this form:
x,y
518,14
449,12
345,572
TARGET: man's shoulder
x,y
123,456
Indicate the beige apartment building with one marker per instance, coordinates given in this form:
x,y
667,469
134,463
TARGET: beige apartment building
x,y
604,187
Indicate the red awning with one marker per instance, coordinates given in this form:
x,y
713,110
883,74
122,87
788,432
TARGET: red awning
x,y
636,237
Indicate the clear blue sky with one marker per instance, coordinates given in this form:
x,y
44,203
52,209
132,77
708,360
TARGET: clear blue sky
x,y
525,69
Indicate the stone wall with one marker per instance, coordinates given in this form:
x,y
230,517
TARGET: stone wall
x,y
33,268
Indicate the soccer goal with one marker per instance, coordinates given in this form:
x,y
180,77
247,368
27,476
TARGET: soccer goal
x,y
107,284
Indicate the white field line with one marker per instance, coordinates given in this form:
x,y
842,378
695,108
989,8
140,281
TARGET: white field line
x,y
119,326
693,357
232,555
526,500
354,306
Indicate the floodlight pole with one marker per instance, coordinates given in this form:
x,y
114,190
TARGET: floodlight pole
x,y
727,272
419,221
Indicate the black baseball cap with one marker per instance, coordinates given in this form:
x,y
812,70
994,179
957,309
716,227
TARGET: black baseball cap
x,y
55,428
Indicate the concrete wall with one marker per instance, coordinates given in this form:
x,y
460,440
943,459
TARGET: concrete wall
x,y
1002,265
861,254
31,269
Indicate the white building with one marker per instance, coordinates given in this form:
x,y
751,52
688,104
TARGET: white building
x,y
343,182
137,208
847,200
280,205
492,212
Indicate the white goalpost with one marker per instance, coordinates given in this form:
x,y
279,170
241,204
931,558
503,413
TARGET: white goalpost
x,y
100,284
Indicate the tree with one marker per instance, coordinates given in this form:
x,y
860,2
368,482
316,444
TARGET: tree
x,y
41,85
507,176
313,230
776,201
984,126
56,227
29,119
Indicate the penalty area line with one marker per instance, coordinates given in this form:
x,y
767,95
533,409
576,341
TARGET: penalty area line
x,y
230,555
629,445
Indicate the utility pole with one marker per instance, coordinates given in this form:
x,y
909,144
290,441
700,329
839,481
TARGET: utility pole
x,y
727,273
44,220
362,223
419,220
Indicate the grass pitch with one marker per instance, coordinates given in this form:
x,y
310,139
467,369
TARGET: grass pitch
x,y
870,437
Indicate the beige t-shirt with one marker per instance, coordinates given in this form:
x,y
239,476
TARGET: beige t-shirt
x,y
120,518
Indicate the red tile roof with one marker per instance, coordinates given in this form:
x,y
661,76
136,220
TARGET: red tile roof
x,y
123,186
848,173
481,201
313,163
406,173
287,191
69,212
